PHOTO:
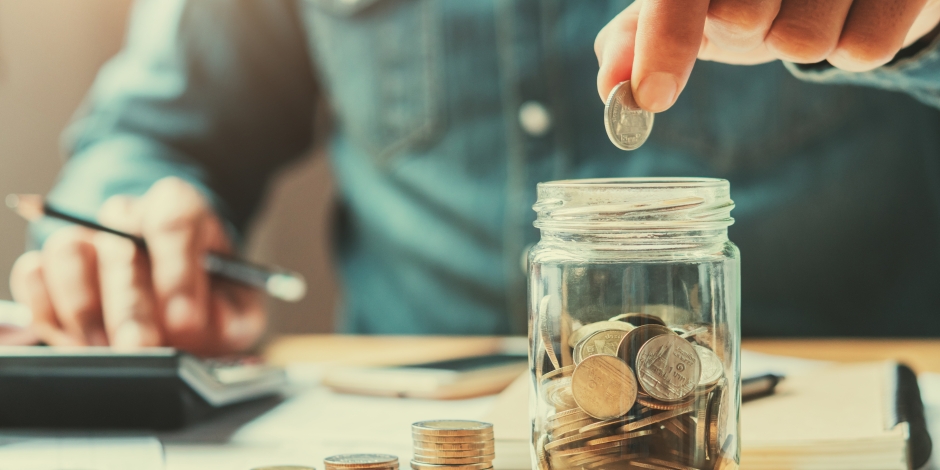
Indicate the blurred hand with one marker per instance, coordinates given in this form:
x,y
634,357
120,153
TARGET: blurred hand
x,y
654,43
93,288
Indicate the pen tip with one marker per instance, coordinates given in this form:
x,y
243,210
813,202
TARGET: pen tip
x,y
289,287
12,201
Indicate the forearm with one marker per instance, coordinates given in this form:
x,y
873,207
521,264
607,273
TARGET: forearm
x,y
218,93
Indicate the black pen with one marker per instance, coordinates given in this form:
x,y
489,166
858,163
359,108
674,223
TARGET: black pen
x,y
278,283
759,386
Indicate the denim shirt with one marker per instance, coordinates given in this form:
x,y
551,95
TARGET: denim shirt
x,y
836,175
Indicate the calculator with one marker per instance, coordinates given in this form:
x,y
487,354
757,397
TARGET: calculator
x,y
97,387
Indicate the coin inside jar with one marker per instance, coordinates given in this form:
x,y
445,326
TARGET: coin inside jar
x,y
604,386
639,319
601,342
635,339
628,126
712,369
591,328
668,368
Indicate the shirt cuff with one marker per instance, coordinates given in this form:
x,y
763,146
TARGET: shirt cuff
x,y
916,71
119,165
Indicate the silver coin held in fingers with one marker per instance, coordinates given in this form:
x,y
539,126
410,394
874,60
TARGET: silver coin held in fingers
x,y
627,125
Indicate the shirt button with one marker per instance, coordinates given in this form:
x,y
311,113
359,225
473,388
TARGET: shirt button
x,y
534,118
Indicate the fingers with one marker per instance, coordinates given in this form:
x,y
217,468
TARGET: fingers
x,y
174,226
614,47
758,55
807,31
927,21
668,38
29,288
739,26
128,301
239,314
71,277
874,32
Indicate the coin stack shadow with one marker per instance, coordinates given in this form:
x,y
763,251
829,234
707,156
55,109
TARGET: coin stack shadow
x,y
361,462
452,445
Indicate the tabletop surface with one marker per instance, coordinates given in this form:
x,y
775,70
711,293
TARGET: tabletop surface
x,y
923,355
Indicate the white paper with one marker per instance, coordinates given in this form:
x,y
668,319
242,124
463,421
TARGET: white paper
x,y
85,453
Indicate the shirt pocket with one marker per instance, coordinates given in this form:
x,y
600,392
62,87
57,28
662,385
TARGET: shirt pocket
x,y
380,62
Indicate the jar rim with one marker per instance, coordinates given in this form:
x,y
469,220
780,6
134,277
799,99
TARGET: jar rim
x,y
640,182
630,205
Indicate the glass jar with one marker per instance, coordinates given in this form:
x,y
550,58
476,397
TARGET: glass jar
x,y
634,314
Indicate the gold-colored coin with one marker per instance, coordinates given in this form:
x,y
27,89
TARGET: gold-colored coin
x,y
454,460
591,328
573,426
545,331
712,368
601,342
658,405
451,427
428,466
668,368
657,418
452,446
610,460
558,392
631,344
541,453
593,457
717,417
556,443
451,453
426,440
567,416
604,387
585,449
564,371
619,437
607,423
570,414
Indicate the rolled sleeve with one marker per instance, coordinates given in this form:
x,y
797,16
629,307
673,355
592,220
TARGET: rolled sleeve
x,y
916,73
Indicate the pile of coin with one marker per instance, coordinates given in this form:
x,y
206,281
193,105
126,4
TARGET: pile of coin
x,y
361,462
452,445
632,392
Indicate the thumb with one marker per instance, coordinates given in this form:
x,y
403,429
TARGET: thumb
x,y
668,37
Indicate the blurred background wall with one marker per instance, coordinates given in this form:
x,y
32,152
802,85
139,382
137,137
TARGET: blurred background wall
x,y
50,51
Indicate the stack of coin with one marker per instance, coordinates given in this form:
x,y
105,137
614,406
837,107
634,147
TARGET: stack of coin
x,y
361,462
645,395
452,445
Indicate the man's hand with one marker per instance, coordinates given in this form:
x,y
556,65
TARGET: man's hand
x,y
94,288
654,43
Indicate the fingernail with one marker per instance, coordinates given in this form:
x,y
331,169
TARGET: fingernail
x,y
657,91
128,336
180,312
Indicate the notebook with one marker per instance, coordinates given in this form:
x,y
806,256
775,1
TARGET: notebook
x,y
852,417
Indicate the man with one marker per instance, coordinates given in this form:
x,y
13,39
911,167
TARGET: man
x,y
448,113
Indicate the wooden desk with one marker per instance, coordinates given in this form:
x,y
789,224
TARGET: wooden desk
x,y
922,355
